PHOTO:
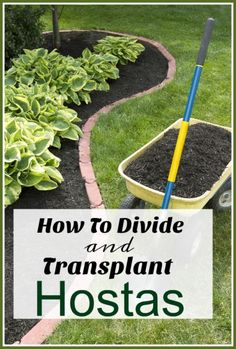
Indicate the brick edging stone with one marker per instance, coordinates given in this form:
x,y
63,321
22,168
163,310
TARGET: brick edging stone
x,y
45,327
86,167
40,332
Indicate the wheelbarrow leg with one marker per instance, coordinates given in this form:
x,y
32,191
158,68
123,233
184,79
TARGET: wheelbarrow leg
x,y
130,201
221,201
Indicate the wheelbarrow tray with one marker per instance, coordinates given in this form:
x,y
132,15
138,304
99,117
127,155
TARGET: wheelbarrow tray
x,y
156,197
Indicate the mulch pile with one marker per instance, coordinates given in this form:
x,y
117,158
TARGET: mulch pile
x,y
206,153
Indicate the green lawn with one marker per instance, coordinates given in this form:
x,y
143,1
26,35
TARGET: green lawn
x,y
130,125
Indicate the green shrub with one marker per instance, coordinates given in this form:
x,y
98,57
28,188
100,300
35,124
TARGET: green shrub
x,y
28,162
125,48
23,29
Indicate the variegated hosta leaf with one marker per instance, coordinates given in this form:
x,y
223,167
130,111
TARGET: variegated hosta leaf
x,y
53,173
57,142
41,104
36,88
46,184
12,153
77,83
50,159
28,162
99,67
125,48
29,179
22,103
60,124
12,192
24,163
41,145
38,66
8,179
71,133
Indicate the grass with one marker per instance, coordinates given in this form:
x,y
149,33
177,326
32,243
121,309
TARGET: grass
x,y
130,125
165,331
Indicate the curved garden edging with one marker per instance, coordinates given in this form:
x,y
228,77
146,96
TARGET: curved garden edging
x,y
45,327
86,167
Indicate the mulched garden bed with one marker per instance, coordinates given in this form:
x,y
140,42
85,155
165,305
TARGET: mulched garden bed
x,y
149,70
206,154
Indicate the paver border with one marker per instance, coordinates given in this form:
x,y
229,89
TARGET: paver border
x,y
86,167
45,327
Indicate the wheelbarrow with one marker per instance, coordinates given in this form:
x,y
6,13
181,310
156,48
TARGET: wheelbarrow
x,y
218,197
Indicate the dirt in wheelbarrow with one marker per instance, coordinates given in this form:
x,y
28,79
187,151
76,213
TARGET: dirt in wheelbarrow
x,y
149,70
206,153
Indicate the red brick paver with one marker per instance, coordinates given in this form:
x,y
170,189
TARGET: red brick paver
x,y
44,328
39,333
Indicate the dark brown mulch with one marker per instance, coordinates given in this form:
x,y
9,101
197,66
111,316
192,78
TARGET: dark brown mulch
x,y
149,70
206,153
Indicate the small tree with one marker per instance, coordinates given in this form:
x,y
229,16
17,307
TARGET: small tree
x,y
56,33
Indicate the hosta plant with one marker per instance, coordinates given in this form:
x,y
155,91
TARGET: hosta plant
x,y
125,48
41,104
64,74
99,67
28,162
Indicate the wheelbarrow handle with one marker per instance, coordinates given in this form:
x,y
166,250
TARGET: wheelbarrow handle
x,y
187,114
205,41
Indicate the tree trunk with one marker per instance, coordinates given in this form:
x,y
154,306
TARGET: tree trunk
x,y
56,33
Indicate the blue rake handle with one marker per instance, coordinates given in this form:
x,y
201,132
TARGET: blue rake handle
x,y
187,113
